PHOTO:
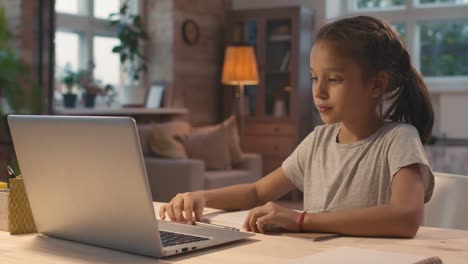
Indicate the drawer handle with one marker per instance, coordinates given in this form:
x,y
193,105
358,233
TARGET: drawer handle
x,y
276,129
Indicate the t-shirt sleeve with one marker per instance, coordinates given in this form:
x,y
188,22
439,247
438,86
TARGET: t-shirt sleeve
x,y
294,165
406,149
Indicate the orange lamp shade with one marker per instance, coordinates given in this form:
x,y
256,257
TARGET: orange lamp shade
x,y
240,66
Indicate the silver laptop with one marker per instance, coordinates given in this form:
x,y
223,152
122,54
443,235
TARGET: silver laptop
x,y
86,181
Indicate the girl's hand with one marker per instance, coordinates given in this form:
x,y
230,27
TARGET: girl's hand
x,y
272,214
183,206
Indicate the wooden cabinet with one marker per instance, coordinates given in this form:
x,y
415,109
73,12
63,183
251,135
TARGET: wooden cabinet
x,y
280,109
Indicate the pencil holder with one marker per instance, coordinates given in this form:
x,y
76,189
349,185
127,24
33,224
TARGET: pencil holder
x,y
20,216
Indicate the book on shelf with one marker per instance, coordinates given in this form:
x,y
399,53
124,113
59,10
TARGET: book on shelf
x,y
285,62
281,29
282,37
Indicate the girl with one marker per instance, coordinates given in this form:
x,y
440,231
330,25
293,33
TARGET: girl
x,y
366,166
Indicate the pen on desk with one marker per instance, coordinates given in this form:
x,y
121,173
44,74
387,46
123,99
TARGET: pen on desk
x,y
215,226
11,172
327,237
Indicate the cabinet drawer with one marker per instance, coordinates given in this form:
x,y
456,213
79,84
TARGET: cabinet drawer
x,y
269,145
280,129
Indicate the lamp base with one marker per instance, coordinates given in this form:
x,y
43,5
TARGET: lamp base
x,y
241,110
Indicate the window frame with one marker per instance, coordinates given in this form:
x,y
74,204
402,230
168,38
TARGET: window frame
x,y
87,27
411,15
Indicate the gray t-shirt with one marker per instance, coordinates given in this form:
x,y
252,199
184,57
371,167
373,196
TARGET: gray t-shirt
x,y
335,176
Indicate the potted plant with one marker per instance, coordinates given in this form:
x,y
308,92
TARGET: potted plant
x,y
69,79
131,33
91,88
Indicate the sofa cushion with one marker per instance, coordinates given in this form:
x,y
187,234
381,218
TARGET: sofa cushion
x,y
144,133
233,138
211,146
165,139
218,179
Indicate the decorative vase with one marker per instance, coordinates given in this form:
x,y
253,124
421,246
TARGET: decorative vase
x,y
89,100
279,108
69,100
132,94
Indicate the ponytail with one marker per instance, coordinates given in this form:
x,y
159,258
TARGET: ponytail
x,y
410,100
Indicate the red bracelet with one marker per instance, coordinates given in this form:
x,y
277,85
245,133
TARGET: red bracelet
x,y
301,221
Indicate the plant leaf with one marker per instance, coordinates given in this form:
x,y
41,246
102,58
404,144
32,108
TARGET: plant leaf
x,y
114,22
123,57
116,49
137,21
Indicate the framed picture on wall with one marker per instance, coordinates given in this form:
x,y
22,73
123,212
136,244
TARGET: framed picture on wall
x,y
155,94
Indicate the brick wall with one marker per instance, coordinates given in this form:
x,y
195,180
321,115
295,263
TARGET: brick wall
x,y
193,70
22,18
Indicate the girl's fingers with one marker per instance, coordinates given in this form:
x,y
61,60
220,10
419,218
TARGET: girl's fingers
x,y
188,210
199,213
162,212
246,222
265,221
178,207
260,225
253,221
170,212
182,208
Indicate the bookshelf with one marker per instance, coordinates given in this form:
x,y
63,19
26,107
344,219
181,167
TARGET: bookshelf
x,y
280,108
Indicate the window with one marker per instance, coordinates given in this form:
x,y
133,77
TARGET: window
x,y
401,29
84,35
371,4
444,48
66,49
107,64
434,31
442,2
67,6
102,9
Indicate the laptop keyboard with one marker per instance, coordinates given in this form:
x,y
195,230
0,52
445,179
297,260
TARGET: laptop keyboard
x,y
171,239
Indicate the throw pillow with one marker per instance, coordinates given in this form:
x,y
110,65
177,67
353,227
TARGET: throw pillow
x,y
211,146
144,133
235,151
166,139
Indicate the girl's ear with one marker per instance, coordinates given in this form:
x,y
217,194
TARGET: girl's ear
x,y
379,84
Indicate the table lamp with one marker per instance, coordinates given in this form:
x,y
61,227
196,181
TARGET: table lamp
x,y
240,68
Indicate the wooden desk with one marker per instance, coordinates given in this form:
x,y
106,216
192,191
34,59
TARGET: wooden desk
x,y
450,245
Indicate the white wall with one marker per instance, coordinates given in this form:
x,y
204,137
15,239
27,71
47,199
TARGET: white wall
x,y
451,109
454,115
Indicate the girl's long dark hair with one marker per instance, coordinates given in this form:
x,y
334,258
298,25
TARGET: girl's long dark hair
x,y
374,45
